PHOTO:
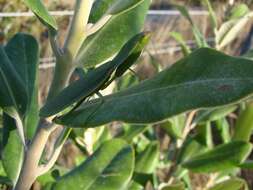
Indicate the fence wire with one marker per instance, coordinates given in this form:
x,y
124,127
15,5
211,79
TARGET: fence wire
x,y
70,13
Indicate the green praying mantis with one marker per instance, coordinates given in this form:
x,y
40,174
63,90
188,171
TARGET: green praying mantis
x,y
99,78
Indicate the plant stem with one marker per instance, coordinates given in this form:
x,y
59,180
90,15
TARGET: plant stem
x,y
33,154
62,73
20,128
57,150
31,168
77,30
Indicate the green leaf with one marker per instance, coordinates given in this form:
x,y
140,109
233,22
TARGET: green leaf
x,y
97,78
223,128
205,79
41,12
13,151
23,52
120,6
174,126
142,178
134,186
222,157
131,131
105,43
204,134
146,161
230,184
190,148
110,167
2,172
12,91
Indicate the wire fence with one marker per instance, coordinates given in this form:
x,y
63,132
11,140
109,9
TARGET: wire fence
x,y
70,13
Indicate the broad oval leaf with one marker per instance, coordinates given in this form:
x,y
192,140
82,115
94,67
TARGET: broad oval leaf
x,y
205,79
230,184
41,12
105,43
23,52
222,157
12,91
120,6
110,167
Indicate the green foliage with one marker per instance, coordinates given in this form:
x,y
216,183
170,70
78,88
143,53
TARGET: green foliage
x,y
153,133
209,78
110,167
41,12
12,88
23,52
13,150
112,36
146,161
222,157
